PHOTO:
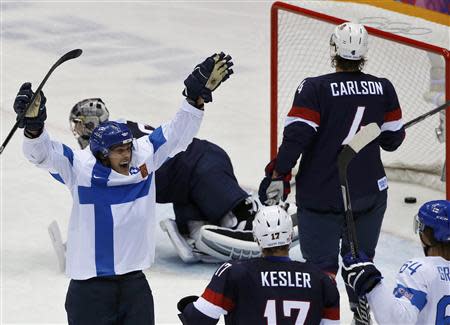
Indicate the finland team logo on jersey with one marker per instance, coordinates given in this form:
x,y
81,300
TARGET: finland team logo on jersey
x,y
134,170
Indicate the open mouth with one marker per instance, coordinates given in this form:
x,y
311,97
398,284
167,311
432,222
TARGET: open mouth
x,y
124,165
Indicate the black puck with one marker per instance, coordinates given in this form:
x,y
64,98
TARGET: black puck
x,y
410,199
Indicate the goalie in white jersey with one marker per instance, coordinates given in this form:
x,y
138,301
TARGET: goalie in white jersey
x,y
422,293
111,236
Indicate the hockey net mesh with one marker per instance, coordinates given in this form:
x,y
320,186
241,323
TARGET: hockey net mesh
x,y
303,51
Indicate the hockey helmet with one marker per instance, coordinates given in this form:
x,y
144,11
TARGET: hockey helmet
x,y
107,135
272,227
85,116
435,215
349,41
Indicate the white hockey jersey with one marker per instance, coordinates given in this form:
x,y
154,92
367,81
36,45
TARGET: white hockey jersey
x,y
112,223
421,295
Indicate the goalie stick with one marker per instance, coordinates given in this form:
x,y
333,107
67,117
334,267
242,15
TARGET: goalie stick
x,y
68,56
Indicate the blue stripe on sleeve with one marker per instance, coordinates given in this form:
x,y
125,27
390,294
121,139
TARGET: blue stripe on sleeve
x,y
157,139
58,178
416,297
68,153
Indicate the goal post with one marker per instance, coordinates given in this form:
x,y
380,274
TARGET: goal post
x,y
418,71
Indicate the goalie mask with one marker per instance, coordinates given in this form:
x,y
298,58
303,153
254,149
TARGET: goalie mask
x,y
432,223
272,227
85,116
349,41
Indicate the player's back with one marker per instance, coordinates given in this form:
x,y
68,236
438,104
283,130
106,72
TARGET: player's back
x,y
339,104
276,291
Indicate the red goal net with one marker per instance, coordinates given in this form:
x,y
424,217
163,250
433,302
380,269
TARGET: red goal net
x,y
420,73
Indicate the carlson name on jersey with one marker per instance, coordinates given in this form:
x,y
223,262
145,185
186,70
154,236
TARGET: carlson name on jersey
x,y
361,87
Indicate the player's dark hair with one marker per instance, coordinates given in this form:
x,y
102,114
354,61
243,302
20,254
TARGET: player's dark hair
x,y
438,248
104,160
274,250
347,65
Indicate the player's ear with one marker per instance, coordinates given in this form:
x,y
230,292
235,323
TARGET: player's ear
x,y
185,301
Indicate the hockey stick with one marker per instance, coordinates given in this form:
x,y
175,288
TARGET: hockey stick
x,y
425,115
68,56
361,139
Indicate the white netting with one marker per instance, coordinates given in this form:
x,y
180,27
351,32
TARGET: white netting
x,y
303,51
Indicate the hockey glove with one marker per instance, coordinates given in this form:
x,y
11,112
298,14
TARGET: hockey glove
x,y
360,273
36,114
207,76
245,212
272,190
183,302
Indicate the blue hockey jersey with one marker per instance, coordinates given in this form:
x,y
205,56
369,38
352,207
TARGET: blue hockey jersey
x,y
327,112
269,290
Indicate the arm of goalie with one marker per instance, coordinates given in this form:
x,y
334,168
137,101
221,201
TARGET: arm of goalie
x,y
182,247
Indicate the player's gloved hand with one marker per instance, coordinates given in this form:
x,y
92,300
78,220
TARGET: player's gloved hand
x,y
273,190
207,76
36,114
244,213
360,273
183,302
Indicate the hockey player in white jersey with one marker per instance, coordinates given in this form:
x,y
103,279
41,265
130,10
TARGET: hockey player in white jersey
x,y
111,236
422,292
213,213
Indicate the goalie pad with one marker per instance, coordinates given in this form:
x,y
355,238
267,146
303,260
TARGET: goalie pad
x,y
182,247
58,245
226,244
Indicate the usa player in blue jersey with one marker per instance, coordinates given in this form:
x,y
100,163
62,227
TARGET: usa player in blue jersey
x,y
111,236
271,289
199,182
422,292
326,113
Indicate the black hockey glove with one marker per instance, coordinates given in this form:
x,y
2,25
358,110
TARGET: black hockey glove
x,y
273,190
245,212
36,114
360,273
183,302
207,76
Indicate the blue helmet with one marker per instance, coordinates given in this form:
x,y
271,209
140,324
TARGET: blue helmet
x,y
435,215
109,134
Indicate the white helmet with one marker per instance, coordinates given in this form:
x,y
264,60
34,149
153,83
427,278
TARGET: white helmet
x,y
84,118
272,227
349,41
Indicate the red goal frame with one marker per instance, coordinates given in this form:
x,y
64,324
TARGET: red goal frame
x,y
281,6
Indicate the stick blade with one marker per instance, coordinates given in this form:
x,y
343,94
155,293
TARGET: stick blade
x,y
366,135
70,55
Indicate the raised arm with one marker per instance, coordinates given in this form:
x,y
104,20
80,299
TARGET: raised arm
x,y
38,148
175,136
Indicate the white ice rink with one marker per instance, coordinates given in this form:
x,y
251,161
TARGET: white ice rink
x,y
136,56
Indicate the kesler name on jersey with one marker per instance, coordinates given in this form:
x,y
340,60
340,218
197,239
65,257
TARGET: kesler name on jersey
x,y
362,87
286,279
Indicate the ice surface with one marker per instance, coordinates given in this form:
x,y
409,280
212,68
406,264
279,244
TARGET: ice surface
x,y
136,56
